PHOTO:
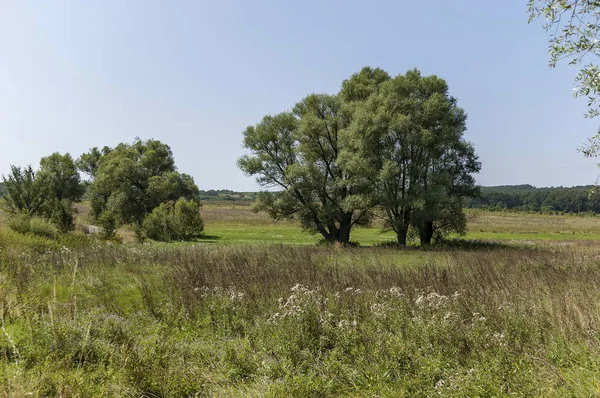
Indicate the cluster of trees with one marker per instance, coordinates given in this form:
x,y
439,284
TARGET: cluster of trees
x,y
48,193
129,184
131,181
382,146
529,198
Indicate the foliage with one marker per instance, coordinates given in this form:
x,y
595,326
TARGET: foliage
x,y
406,144
178,220
88,162
62,214
188,223
49,193
131,180
59,178
297,152
24,193
26,224
19,222
574,28
40,227
108,225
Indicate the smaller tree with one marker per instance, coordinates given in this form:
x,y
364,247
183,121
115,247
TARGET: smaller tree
x,y
24,193
49,193
108,225
188,223
62,214
61,183
59,178
132,179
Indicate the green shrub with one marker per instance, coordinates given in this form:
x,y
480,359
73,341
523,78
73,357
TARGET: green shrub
x,y
25,224
158,225
19,223
174,221
108,225
63,216
40,227
187,220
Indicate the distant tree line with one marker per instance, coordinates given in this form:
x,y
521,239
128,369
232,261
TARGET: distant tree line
x,y
580,199
226,195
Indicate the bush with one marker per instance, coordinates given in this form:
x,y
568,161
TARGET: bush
x,y
188,223
174,221
63,216
19,223
158,225
108,225
40,227
25,224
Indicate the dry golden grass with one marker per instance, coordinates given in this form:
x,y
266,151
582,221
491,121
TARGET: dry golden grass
x,y
497,222
271,321
234,213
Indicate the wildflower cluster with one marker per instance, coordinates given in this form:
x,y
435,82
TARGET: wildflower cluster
x,y
301,301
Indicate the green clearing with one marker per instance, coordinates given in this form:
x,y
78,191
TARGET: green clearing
x,y
236,223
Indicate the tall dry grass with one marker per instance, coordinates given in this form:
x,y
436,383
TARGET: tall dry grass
x,y
145,320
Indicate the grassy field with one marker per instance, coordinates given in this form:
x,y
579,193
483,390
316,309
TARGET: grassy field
x,y
519,316
237,223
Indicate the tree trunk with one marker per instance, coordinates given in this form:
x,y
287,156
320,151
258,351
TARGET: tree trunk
x,y
322,230
426,233
401,235
344,231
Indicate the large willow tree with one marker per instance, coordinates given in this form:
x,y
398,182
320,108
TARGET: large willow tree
x,y
381,145
297,153
406,142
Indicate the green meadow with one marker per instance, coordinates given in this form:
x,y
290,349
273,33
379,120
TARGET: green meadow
x,y
258,309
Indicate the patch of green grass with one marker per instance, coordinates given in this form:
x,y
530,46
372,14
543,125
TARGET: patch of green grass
x,y
237,223
284,234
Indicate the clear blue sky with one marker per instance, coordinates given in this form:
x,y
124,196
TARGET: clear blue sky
x,y
78,74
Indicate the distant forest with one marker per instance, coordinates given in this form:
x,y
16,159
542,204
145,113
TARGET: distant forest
x,y
226,194
542,200
499,198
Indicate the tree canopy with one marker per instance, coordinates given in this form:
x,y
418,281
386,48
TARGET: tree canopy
x,y
380,143
298,152
131,180
406,143
49,193
574,29
24,194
